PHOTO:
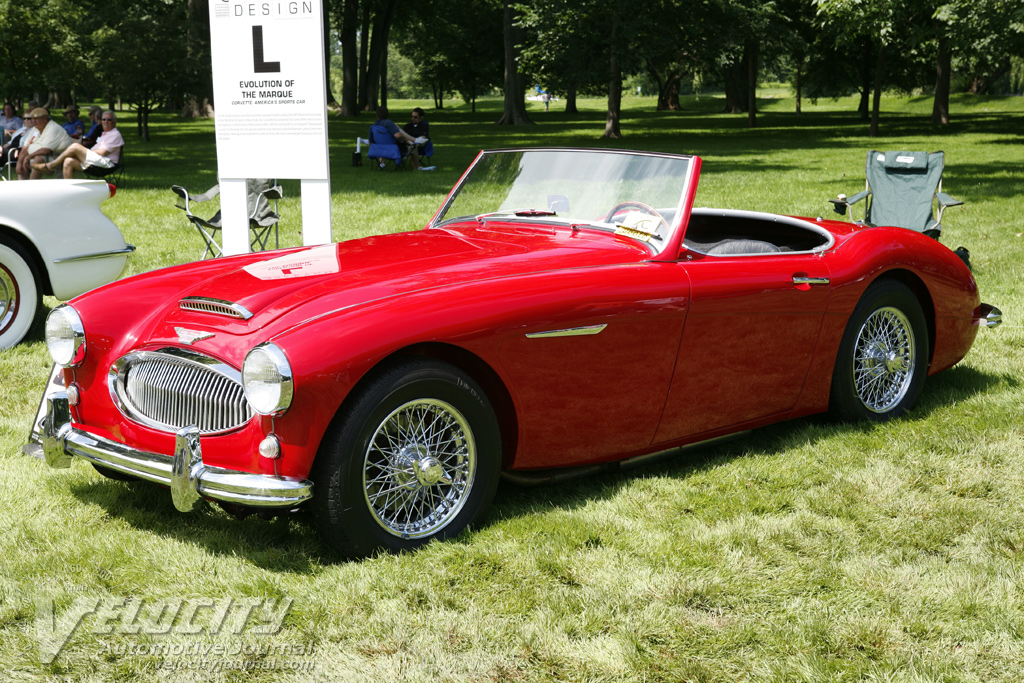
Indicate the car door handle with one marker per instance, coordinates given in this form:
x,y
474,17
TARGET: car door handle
x,y
806,280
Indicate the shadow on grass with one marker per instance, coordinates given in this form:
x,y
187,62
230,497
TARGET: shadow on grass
x,y
290,544
946,389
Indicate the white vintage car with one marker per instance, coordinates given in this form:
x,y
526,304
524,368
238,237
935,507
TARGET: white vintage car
x,y
54,239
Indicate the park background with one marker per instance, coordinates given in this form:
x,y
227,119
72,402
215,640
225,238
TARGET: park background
x,y
806,551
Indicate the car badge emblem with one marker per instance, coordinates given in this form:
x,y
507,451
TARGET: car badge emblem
x,y
191,336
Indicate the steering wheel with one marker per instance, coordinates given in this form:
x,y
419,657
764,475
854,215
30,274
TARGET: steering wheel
x,y
636,205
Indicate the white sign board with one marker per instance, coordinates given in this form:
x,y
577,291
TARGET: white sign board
x,y
269,89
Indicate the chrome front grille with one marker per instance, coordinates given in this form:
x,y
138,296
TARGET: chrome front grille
x,y
173,388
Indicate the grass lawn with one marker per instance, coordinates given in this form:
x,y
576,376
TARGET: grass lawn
x,y
803,552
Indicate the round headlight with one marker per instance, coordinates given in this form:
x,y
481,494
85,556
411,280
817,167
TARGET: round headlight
x,y
65,336
267,379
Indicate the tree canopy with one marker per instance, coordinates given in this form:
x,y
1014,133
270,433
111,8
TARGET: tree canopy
x,y
156,54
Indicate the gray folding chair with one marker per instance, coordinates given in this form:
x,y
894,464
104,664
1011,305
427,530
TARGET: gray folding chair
x,y
263,218
901,188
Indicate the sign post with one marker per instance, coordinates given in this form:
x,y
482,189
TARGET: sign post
x,y
271,97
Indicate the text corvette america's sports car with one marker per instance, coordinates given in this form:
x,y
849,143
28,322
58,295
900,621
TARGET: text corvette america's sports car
x,y
563,308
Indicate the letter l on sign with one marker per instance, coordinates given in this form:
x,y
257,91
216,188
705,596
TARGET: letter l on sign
x,y
258,65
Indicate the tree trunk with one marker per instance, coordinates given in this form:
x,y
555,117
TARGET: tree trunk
x,y
515,96
349,29
752,51
668,89
864,108
379,52
799,84
364,56
877,99
981,83
332,103
197,35
384,78
611,124
940,105
570,100
735,77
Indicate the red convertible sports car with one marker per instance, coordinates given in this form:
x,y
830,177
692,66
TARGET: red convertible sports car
x,y
563,309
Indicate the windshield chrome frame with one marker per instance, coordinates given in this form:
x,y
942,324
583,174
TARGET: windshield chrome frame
x,y
669,250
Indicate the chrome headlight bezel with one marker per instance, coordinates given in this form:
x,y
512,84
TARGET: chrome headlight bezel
x,y
65,336
267,379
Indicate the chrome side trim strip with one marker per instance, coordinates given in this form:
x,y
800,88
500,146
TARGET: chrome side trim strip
x,y
188,479
571,332
801,280
204,304
99,254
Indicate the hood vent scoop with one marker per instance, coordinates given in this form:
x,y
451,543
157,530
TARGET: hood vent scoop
x,y
203,304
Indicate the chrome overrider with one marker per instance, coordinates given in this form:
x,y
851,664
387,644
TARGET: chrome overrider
x,y
186,475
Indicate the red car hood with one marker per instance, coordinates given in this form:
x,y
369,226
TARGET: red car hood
x,y
283,288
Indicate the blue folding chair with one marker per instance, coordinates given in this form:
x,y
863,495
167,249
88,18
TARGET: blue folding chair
x,y
383,147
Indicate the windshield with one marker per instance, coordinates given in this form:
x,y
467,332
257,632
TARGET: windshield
x,y
633,193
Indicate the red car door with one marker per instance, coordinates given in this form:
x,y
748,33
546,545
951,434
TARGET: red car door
x,y
591,369
750,333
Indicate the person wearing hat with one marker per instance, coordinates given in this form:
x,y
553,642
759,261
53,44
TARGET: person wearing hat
x,y
48,140
74,126
106,153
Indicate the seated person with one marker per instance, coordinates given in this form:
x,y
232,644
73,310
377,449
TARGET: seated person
x,y
46,140
16,140
95,129
106,153
74,125
419,129
400,135
10,119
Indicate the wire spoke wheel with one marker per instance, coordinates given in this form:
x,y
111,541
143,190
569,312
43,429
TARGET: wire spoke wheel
x,y
418,469
883,356
884,359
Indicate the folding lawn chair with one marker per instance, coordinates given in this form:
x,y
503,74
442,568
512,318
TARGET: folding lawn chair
x,y
383,147
114,175
262,218
900,188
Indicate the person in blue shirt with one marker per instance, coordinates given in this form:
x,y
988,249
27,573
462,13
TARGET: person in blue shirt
x,y
74,126
404,140
94,131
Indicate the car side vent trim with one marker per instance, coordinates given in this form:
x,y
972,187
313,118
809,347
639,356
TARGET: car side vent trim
x,y
571,332
204,304
173,388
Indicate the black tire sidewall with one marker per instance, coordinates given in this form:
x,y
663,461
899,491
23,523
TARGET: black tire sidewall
x,y
844,403
339,506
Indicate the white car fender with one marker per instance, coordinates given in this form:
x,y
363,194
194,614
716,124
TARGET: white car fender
x,y
79,246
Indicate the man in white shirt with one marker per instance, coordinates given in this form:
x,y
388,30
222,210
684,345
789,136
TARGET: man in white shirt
x,y
50,139
106,153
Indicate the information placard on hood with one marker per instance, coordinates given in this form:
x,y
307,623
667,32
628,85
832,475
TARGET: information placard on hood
x,y
269,89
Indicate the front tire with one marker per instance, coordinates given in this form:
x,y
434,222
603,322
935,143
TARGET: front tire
x,y
415,457
883,356
20,298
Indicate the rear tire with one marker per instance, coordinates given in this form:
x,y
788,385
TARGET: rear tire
x,y
20,298
883,356
415,457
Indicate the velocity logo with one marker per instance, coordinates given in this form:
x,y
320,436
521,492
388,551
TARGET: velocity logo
x,y
155,616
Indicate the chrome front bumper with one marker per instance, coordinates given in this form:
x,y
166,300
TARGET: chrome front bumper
x,y
186,475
